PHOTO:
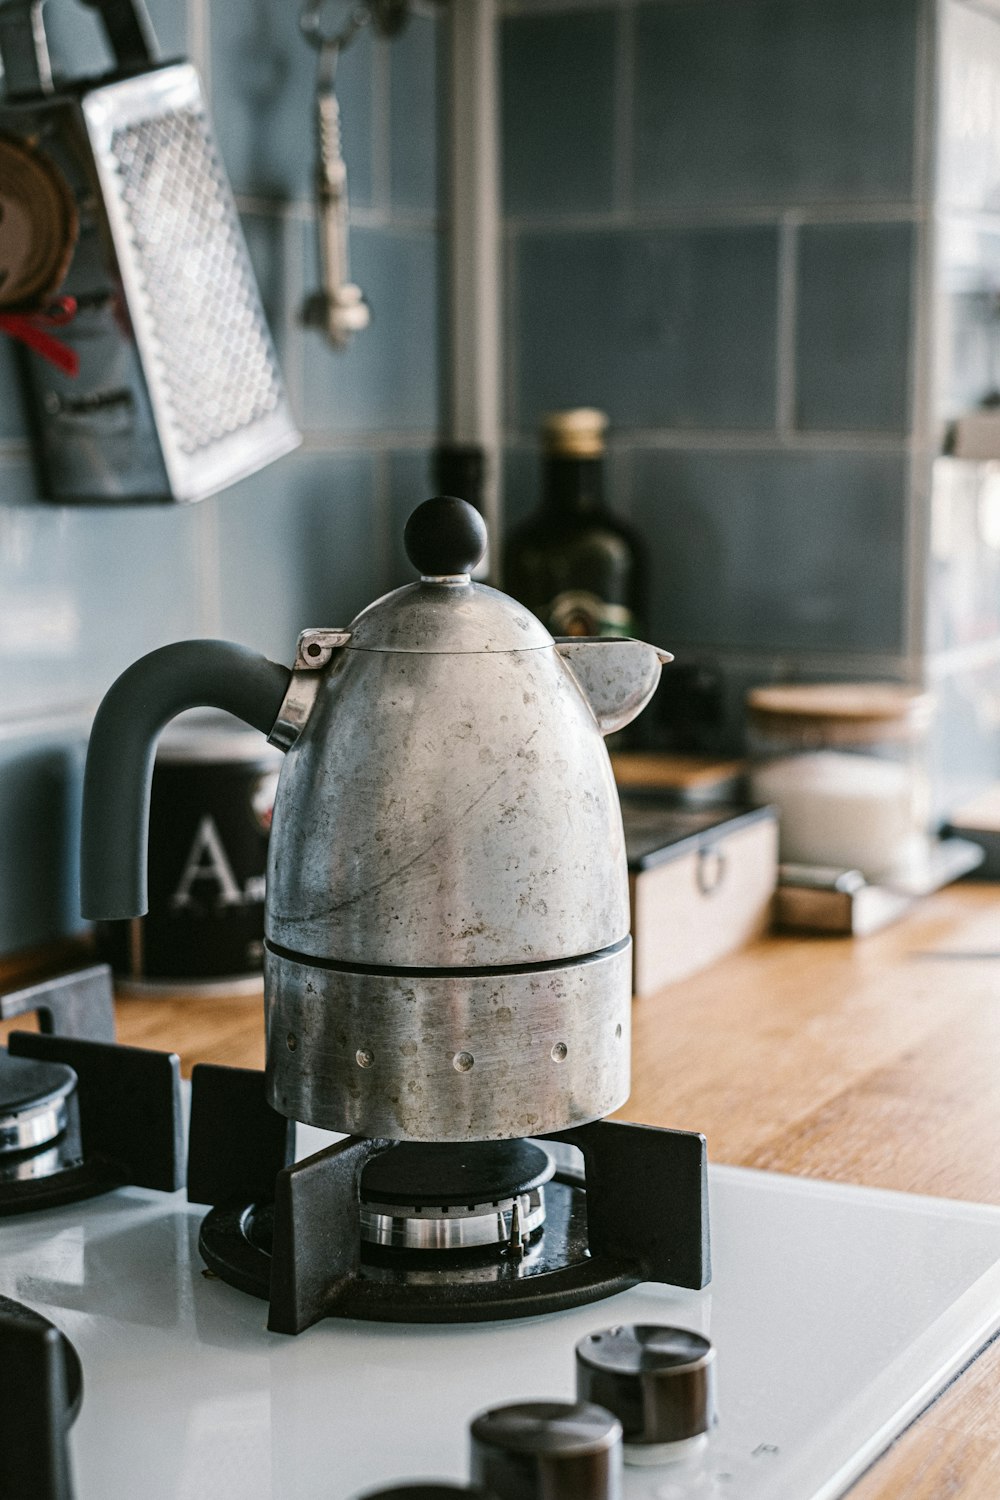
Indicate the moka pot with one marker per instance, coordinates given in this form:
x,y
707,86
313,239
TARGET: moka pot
x,y
447,915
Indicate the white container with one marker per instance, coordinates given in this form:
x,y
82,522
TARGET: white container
x,y
842,763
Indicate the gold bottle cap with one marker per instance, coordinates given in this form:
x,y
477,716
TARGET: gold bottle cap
x,y
577,433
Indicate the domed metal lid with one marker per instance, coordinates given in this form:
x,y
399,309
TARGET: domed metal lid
x,y
446,612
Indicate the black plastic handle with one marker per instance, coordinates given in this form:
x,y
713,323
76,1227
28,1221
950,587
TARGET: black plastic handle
x,y
24,50
119,774
129,32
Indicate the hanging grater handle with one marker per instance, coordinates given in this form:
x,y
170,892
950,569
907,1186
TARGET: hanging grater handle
x,y
129,32
24,51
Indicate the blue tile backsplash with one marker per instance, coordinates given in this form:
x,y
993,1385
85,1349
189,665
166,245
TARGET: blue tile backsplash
x,y
558,111
852,353
389,378
734,281
263,77
748,247
661,328
774,101
756,232
784,552
84,591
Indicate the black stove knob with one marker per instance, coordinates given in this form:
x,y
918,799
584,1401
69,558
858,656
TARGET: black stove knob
x,y
659,1382
548,1450
428,1491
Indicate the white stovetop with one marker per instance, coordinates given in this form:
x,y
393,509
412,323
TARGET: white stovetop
x,y
837,1313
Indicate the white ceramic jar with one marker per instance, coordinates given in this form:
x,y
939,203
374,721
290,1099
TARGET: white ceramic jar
x,y
843,764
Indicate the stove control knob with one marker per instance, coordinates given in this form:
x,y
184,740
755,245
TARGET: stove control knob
x,y
426,1491
659,1382
548,1450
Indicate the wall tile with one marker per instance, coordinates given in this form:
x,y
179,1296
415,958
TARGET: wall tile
x,y
41,780
295,549
773,551
11,414
78,46
263,77
558,85
389,377
969,108
410,481
85,590
963,587
277,281
756,101
661,328
852,356
417,115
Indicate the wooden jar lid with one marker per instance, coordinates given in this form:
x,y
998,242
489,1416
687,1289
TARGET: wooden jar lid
x,y
884,708
38,226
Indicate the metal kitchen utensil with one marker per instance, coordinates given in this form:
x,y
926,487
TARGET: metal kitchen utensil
x,y
178,393
339,307
447,913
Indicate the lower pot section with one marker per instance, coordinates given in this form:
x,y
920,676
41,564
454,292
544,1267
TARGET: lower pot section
x,y
413,1055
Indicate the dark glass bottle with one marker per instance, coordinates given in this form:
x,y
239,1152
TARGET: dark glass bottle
x,y
572,563
460,469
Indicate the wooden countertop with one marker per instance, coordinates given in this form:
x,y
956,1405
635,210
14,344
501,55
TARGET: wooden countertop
x,y
873,1060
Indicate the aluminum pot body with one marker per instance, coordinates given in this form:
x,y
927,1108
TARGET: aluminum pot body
x,y
449,1057
447,810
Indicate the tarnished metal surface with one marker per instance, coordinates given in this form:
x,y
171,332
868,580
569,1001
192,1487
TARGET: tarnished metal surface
x,y
313,652
447,614
617,678
444,810
80,1004
470,1228
449,1058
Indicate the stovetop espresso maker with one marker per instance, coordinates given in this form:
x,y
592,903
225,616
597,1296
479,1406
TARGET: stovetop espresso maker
x,y
447,920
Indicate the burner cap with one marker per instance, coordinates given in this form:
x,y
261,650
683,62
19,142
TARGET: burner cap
x,y
455,1176
455,1197
33,1102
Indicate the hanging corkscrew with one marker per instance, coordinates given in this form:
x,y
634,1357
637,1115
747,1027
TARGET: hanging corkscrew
x,y
338,307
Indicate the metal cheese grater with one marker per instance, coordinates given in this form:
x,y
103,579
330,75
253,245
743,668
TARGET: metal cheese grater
x,y
178,393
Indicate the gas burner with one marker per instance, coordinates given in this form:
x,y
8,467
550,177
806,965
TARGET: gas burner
x,y
39,1120
455,1197
294,1234
70,1099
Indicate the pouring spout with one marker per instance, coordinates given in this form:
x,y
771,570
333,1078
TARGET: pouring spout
x,y
617,677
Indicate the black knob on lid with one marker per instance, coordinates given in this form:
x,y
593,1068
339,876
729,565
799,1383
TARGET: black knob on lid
x,y
548,1450
659,1382
444,537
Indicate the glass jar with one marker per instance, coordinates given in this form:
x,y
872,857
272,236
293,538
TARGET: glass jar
x,y
844,765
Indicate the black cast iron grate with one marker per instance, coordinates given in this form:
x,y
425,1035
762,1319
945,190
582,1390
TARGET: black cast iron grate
x,y
291,1233
125,1123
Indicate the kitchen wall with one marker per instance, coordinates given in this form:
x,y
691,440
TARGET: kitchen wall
x,y
763,235
84,591
714,214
